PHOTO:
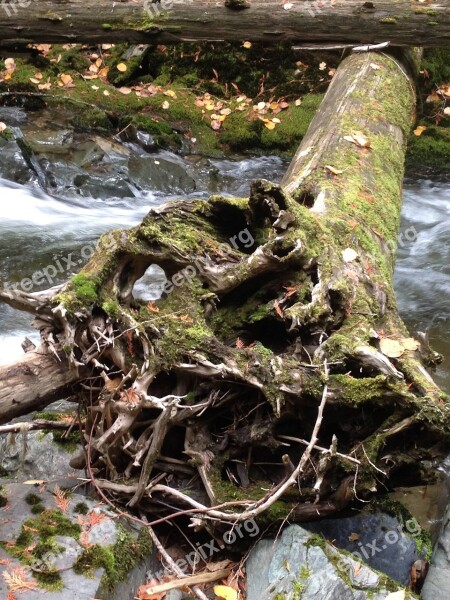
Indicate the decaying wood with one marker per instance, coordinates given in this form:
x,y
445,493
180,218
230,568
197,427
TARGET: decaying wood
x,y
272,334
32,383
342,21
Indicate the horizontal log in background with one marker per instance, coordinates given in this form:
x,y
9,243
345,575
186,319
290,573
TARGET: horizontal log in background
x,y
402,22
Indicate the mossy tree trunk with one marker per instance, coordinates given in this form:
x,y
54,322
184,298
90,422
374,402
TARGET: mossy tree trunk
x,y
148,21
278,304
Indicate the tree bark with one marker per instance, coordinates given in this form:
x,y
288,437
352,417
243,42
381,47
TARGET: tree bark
x,y
278,330
402,22
33,382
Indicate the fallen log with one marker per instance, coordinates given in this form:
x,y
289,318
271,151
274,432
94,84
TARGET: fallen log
x,y
277,329
402,22
32,383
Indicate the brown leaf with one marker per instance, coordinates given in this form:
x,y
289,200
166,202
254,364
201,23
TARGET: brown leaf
x,y
239,343
278,310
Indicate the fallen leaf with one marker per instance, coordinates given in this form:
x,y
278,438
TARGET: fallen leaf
x,y
2,126
391,348
400,595
353,537
122,67
409,343
333,170
225,592
165,105
247,44
349,255
278,310
358,139
217,566
419,130
357,569
66,79
152,307
34,482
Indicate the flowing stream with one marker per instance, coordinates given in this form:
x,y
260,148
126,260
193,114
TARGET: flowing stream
x,y
38,231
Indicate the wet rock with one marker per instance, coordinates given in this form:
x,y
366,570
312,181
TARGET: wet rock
x,y
298,565
12,116
437,582
38,454
379,539
162,172
52,538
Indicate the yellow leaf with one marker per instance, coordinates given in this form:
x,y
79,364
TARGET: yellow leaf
x,y
409,343
66,79
391,348
170,93
270,125
105,93
225,592
333,170
2,127
247,44
419,130
400,595
122,67
165,105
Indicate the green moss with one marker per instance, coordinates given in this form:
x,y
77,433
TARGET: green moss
x,y
117,560
81,508
33,499
70,442
7,134
81,293
39,534
431,149
47,416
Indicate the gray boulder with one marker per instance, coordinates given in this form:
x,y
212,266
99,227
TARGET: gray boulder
x,y
67,547
300,565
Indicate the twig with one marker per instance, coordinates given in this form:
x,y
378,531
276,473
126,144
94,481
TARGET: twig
x,y
33,426
316,447
205,577
176,569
